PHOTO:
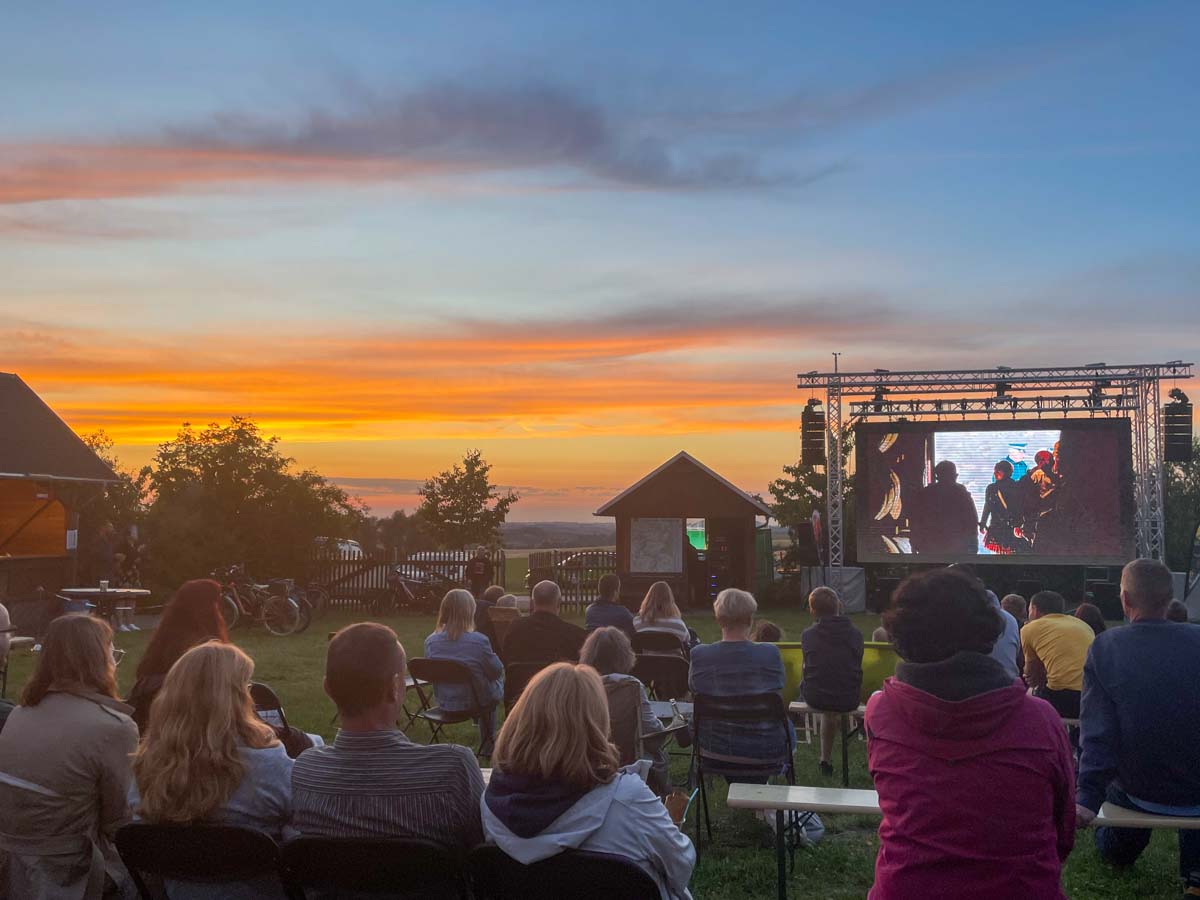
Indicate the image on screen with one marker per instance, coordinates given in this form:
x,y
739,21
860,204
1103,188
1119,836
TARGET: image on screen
x,y
1029,492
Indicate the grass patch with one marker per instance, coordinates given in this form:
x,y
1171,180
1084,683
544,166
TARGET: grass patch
x,y
739,863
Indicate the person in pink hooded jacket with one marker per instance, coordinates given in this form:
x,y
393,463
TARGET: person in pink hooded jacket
x,y
975,777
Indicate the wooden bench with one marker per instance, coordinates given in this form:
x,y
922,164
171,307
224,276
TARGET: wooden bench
x,y
783,798
798,708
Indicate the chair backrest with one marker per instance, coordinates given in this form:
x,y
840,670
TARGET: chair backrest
x,y
658,642
211,854
267,704
389,866
745,709
439,671
516,676
625,718
664,675
577,874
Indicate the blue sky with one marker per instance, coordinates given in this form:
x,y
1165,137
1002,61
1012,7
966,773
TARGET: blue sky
x,y
580,237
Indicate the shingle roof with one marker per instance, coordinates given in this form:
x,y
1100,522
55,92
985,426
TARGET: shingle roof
x,y
36,443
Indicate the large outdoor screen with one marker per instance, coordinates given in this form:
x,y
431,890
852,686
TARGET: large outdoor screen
x,y
1020,491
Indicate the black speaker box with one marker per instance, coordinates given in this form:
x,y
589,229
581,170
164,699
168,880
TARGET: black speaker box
x,y
1107,597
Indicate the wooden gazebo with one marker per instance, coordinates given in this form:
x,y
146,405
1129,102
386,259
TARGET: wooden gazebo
x,y
652,532
41,458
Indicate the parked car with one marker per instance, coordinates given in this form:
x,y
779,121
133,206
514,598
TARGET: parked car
x,y
578,573
337,548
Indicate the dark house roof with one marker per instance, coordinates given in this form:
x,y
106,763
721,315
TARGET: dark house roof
x,y
36,443
683,486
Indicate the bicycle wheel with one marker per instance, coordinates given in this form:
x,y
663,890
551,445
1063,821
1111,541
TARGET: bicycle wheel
x,y
318,599
229,612
281,615
306,614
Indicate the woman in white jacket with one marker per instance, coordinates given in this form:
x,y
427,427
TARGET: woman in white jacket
x,y
555,785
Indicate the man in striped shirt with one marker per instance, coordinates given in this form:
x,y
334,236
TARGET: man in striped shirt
x,y
372,781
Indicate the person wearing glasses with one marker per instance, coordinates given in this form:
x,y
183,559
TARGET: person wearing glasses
x,y
65,768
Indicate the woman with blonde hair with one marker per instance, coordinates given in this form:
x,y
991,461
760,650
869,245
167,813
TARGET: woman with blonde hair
x,y
64,769
207,757
555,785
659,613
456,639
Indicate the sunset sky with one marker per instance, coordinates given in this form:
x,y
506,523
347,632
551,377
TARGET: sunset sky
x,y
578,237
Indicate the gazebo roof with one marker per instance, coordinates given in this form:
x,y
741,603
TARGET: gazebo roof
x,y
697,491
36,443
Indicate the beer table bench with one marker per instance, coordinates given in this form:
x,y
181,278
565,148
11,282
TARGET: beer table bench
x,y
782,798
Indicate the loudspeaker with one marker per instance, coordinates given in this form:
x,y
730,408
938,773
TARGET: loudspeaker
x,y
807,552
881,597
812,434
1107,597
1027,587
1177,432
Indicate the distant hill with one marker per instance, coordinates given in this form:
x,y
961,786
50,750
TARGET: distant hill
x,y
535,535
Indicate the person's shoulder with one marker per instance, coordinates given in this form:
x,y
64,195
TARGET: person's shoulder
x,y
629,789
461,760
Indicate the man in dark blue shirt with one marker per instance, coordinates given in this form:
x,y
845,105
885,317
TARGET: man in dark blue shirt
x,y
607,610
1140,721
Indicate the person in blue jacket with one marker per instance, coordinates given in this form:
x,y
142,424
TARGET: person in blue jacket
x,y
456,639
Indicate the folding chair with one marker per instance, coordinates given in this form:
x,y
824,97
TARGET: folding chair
x,y
659,642
267,704
578,874
516,676
625,719
740,710
446,671
664,675
398,868
204,854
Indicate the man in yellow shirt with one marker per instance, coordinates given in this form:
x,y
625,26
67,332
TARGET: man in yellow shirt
x,y
1056,647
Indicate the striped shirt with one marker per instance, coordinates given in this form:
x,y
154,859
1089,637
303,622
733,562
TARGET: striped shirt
x,y
381,784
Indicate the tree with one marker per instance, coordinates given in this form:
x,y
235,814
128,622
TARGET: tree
x,y
1181,509
122,502
226,494
403,533
460,506
801,490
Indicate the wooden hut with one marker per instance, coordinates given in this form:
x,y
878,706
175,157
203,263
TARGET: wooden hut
x,y
43,466
653,536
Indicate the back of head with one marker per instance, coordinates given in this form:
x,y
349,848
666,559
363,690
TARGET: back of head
x,y
361,666
658,604
192,617
493,593
1089,613
609,587
735,608
823,602
1147,586
767,633
945,472
1014,605
1047,603
608,651
456,615
545,596
558,731
939,613
189,762
5,623
76,658
1177,611
507,601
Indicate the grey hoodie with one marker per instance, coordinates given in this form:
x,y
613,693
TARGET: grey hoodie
x,y
622,817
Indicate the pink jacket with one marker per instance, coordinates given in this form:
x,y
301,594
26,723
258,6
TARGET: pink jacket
x,y
977,795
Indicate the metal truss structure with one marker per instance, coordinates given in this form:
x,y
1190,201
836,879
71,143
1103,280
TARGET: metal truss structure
x,y
1131,391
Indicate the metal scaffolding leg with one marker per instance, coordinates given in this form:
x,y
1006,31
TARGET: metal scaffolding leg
x,y
833,481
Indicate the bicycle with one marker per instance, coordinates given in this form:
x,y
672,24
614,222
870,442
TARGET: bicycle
x,y
272,605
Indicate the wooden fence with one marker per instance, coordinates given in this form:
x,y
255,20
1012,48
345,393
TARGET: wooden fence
x,y
577,572
352,579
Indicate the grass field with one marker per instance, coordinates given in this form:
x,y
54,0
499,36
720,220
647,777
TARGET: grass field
x,y
740,862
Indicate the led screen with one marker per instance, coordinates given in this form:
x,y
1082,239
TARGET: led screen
x,y
1020,491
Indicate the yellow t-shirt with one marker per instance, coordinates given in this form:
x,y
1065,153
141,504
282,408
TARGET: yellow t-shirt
x,y
1061,642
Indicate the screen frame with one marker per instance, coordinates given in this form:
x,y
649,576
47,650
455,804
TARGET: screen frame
x,y
865,430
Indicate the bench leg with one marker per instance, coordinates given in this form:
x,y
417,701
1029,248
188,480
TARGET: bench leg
x,y
845,752
780,861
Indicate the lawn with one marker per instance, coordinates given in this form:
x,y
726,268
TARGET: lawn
x,y
740,862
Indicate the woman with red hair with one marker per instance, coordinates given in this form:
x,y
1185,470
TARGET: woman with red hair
x,y
192,617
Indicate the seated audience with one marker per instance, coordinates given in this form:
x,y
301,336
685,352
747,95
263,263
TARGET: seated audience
x,y
507,601
1141,721
735,666
832,679
607,610
456,639
372,781
1055,646
1015,606
64,768
608,651
483,614
556,787
659,613
6,706
975,777
1090,613
767,633
1177,611
542,636
880,635
190,618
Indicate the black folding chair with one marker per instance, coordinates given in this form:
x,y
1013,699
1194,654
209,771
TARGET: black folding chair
x,y
664,675
659,642
390,867
516,676
204,854
267,704
578,874
446,671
